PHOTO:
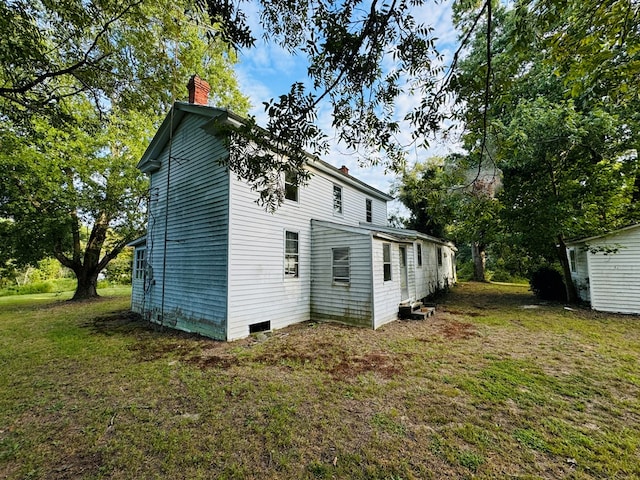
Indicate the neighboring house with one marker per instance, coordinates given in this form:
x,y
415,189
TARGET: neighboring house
x,y
606,270
216,263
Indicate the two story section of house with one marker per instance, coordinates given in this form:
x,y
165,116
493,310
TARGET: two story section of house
x,y
215,262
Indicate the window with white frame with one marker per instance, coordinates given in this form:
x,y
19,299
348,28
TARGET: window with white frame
x,y
290,188
439,254
291,264
369,210
140,264
337,199
419,250
341,268
386,261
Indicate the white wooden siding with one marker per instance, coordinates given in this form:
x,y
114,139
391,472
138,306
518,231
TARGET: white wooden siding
x,y
318,195
256,258
615,278
351,303
386,294
195,253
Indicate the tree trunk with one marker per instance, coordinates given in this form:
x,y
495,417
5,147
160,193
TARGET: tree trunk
x,y
572,294
479,261
87,284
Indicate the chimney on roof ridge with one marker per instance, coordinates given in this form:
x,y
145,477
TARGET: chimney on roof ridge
x,y
344,169
198,90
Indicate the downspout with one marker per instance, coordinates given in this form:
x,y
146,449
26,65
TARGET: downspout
x,y
373,282
166,220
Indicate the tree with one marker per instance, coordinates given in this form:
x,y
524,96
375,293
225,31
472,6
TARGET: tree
x,y
563,178
425,190
345,44
568,155
447,197
105,51
70,186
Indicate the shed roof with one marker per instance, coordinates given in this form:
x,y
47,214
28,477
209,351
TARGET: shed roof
x,y
598,237
138,241
388,233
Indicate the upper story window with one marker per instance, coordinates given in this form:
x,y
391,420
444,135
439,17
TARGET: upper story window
x,y
337,199
439,253
369,210
386,261
341,268
419,249
139,264
290,188
291,254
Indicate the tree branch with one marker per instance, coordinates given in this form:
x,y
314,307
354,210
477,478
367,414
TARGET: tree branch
x,y
7,91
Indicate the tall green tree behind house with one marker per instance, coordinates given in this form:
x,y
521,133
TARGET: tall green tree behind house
x,y
69,144
568,154
450,198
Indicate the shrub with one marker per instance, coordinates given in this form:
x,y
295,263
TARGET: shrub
x,y
37,287
465,271
547,284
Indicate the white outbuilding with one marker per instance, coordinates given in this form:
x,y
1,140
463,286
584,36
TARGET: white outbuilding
x,y
606,270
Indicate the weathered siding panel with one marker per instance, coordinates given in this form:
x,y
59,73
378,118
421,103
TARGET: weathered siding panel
x,y
432,276
350,303
194,250
430,271
319,196
615,278
386,294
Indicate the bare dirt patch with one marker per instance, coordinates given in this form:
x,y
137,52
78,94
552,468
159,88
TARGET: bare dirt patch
x,y
380,363
455,330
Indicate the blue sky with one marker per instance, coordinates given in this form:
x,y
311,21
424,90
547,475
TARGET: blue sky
x,y
267,71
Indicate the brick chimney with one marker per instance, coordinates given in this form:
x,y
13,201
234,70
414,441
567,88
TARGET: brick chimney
x,y
344,169
198,90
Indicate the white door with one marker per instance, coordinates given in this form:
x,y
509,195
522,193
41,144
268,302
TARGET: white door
x,y
404,289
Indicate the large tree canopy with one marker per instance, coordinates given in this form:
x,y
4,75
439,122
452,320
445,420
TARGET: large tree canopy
x,y
581,56
82,92
566,142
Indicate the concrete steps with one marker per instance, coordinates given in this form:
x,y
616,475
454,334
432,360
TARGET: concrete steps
x,y
415,311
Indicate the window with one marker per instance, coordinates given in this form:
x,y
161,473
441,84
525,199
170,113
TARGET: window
x,y
439,253
290,189
337,199
140,264
369,210
572,259
341,269
386,261
291,254
419,245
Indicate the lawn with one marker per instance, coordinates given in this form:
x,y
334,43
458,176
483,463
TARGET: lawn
x,y
492,386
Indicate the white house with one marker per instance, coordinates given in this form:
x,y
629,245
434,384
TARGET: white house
x,y
606,270
216,263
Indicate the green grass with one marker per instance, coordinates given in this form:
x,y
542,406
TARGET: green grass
x,y
485,389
